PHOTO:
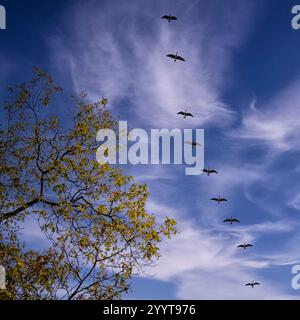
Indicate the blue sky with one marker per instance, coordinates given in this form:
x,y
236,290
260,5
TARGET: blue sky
x,y
241,81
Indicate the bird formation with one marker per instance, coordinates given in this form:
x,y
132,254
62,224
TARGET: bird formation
x,y
231,221
208,171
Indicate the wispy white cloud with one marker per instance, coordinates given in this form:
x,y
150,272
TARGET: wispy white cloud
x,y
206,256
205,264
116,57
262,228
295,202
274,124
228,284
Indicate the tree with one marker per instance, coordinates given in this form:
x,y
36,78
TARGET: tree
x,y
98,231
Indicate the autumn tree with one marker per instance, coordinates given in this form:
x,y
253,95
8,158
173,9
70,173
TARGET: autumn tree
x,y
97,231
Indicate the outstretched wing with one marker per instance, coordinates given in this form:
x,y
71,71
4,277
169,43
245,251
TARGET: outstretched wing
x,y
240,246
180,58
249,245
166,17
188,114
171,55
248,284
214,199
256,283
213,171
236,220
181,113
205,170
173,18
196,144
227,220
223,199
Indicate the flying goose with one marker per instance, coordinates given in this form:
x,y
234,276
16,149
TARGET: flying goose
x,y
193,143
219,200
231,220
209,171
252,284
185,114
245,246
175,57
169,17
